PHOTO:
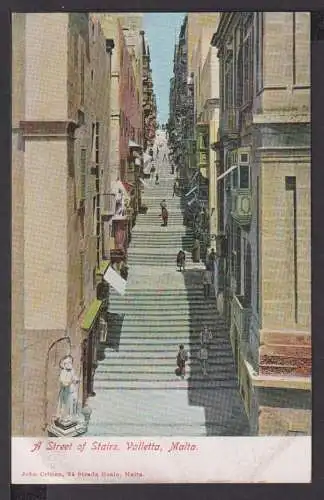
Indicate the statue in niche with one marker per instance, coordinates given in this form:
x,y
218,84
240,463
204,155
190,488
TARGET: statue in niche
x,y
68,398
120,203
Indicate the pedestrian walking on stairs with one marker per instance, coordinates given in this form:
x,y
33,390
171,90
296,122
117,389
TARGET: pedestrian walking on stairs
x,y
203,354
181,260
207,281
165,216
182,358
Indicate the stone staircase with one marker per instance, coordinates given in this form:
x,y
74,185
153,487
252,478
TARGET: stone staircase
x,y
137,390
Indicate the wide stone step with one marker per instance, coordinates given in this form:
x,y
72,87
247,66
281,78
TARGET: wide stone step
x,y
130,322
129,356
169,376
145,231
163,235
174,383
138,260
165,351
193,311
157,340
160,300
168,241
117,364
175,318
154,216
164,291
155,429
174,244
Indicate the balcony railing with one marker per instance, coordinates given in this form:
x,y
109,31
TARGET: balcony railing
x,y
108,205
241,206
241,314
230,122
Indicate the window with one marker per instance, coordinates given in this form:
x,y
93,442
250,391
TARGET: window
x,y
94,215
247,273
83,164
236,256
76,50
82,79
81,291
291,196
97,143
258,51
235,178
258,243
244,176
94,277
248,59
228,81
93,143
92,75
238,261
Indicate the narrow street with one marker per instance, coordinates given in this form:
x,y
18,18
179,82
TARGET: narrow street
x,y
137,390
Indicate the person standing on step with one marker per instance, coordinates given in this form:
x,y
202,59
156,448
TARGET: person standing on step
x,y
207,281
182,357
211,262
203,354
175,188
181,260
205,336
165,216
196,251
157,178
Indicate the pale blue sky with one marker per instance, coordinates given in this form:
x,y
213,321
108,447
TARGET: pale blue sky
x,y
162,31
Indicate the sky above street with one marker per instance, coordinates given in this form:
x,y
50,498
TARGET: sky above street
x,y
162,30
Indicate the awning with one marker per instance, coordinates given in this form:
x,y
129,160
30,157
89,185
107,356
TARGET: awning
x,y
103,266
91,314
129,187
115,280
132,144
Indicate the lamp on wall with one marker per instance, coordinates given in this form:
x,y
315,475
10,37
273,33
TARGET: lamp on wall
x,y
110,45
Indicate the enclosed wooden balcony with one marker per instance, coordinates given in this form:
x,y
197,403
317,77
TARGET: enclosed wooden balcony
x,y
241,313
241,209
230,123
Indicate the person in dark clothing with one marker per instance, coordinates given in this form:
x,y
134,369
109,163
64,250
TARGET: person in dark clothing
x,y
165,216
157,179
182,357
181,260
211,263
211,259
207,282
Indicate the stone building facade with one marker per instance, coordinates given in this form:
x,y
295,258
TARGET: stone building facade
x,y
60,119
264,212
179,101
149,100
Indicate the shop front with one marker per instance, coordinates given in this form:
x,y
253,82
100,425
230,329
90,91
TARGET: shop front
x,y
95,327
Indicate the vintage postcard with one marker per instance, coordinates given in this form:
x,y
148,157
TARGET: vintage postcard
x,y
161,271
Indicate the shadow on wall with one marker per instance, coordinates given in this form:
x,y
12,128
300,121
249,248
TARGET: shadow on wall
x,y
217,392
